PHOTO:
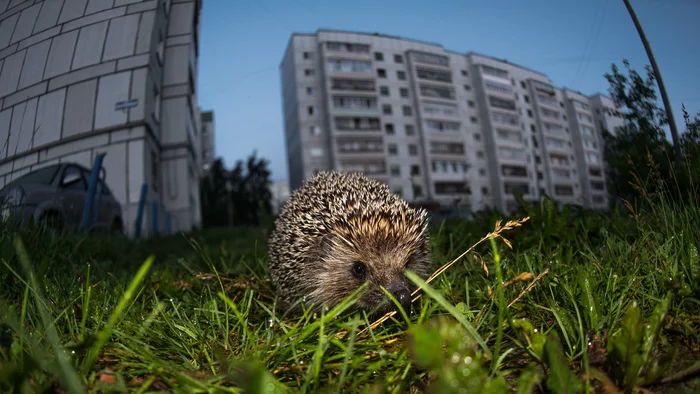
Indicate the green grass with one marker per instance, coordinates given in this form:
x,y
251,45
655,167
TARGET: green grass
x,y
580,302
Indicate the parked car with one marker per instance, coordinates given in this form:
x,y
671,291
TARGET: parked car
x,y
55,195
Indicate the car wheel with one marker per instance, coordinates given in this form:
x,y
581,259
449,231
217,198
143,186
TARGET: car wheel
x,y
52,220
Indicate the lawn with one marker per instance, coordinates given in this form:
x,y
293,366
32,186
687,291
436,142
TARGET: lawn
x,y
551,302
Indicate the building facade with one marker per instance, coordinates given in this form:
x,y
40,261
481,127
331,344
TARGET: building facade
x,y
435,125
208,153
83,77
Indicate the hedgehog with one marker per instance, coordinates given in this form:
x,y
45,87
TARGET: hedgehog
x,y
340,230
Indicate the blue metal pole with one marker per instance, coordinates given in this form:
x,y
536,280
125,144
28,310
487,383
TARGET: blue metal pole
x,y
155,208
90,198
99,192
142,205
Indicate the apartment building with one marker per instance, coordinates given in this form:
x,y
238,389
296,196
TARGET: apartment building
x,y
207,135
79,78
458,129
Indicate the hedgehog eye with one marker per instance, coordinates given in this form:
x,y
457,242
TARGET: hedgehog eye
x,y
358,270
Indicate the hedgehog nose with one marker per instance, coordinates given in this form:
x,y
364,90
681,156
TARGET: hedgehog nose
x,y
401,293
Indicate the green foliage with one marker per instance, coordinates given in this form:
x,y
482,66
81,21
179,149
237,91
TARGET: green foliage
x,y
239,196
639,159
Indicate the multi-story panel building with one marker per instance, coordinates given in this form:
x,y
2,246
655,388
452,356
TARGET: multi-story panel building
x,y
79,77
435,125
588,149
208,153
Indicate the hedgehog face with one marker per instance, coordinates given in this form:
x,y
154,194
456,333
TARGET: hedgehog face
x,y
348,264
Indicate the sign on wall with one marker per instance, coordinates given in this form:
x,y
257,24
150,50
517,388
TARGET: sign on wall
x,y
126,105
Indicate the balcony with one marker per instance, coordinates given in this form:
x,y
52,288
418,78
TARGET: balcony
x,y
512,188
430,58
499,103
564,190
511,154
494,72
368,167
347,47
440,110
447,188
434,75
501,88
554,129
561,174
440,126
355,106
556,144
439,92
558,160
514,171
349,66
446,148
544,88
505,119
357,124
354,85
547,100
360,145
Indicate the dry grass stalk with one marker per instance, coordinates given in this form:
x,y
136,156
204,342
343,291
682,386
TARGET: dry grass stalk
x,y
496,233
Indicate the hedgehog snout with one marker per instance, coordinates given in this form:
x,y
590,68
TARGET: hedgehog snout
x,y
401,293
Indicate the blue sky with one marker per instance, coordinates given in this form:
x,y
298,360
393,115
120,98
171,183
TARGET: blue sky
x,y
574,42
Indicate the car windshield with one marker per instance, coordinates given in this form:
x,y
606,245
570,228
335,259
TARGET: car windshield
x,y
43,176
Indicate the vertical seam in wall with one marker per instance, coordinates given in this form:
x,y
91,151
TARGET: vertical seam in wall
x,y
104,41
136,36
59,13
31,33
94,110
63,111
21,70
46,62
75,47
19,14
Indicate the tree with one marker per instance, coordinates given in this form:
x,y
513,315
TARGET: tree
x,y
639,157
241,194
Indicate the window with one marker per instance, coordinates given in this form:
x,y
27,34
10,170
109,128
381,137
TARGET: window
x,y
310,110
307,55
498,87
522,83
412,149
435,125
389,128
349,102
309,72
393,149
384,90
526,98
529,113
477,137
470,103
504,119
381,73
73,179
407,110
464,73
482,171
548,113
467,87
430,58
403,92
386,109
415,170
474,119
409,129
314,130
378,56
533,128
395,171
401,75
309,90
398,58
440,109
